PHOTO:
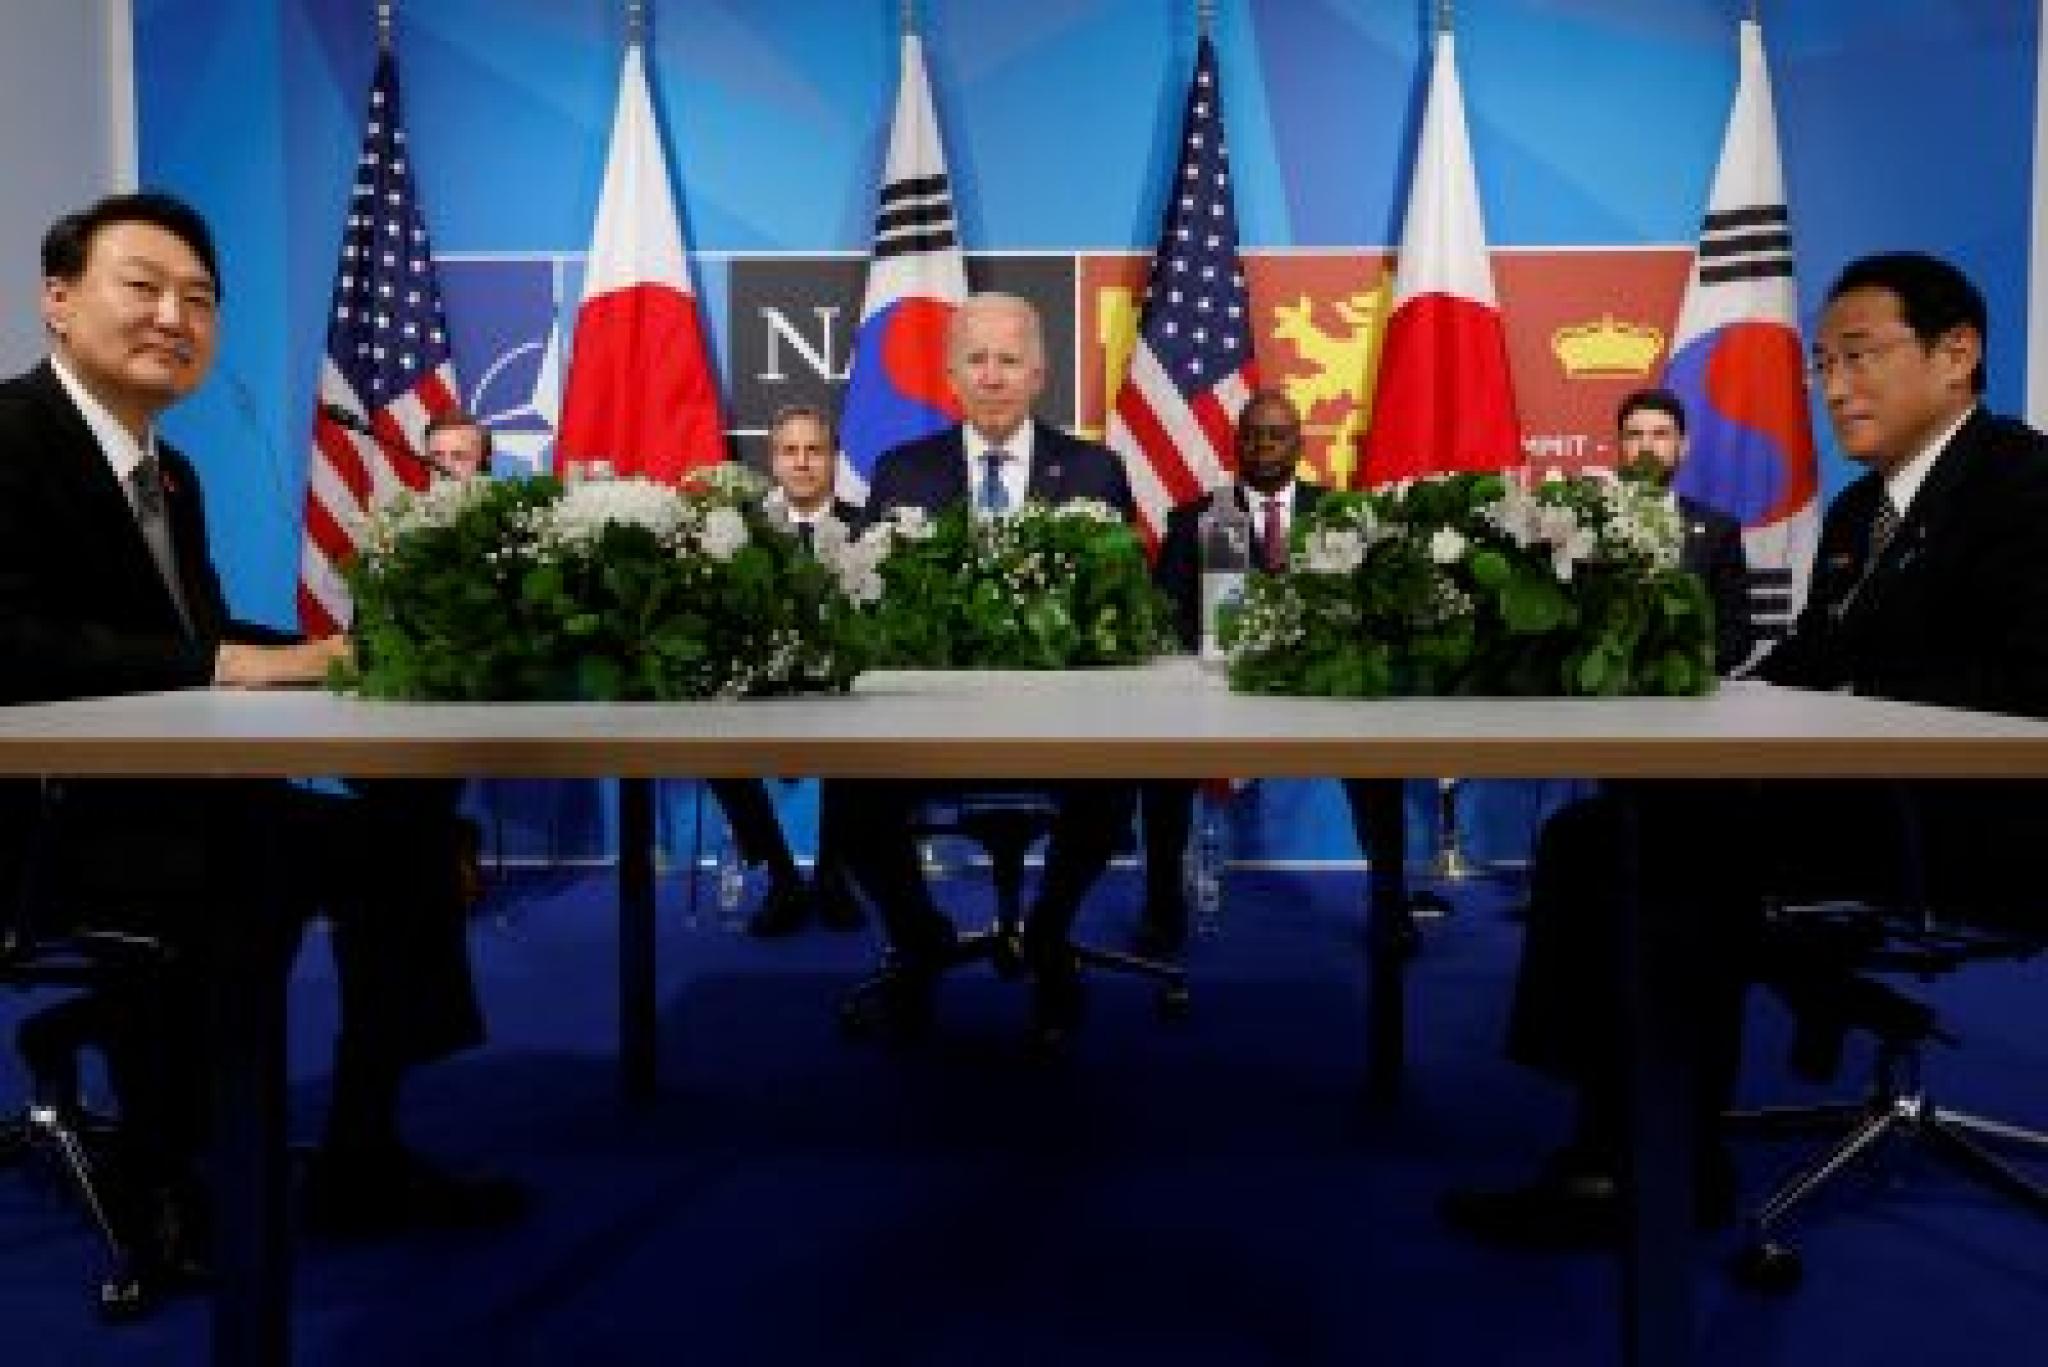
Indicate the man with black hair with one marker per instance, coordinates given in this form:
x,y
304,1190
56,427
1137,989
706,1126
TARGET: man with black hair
x,y
1650,434
1931,586
1271,495
107,587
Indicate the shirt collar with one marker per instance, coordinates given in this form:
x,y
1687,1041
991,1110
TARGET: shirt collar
x,y
1017,445
116,442
1904,482
1256,500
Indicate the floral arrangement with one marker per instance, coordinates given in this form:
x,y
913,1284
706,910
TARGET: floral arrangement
x,y
611,590
1047,587
1478,584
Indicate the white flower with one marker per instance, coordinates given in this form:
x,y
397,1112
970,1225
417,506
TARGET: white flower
x,y
405,511
724,534
1093,509
1333,551
580,516
735,482
909,522
1447,546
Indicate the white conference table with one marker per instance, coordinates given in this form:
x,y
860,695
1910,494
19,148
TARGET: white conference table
x,y
1161,721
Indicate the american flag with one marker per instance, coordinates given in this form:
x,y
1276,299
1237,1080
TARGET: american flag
x,y
387,369
1191,371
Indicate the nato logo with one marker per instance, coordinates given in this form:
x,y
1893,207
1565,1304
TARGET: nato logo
x,y
510,320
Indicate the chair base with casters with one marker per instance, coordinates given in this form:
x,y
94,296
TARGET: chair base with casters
x,y
1899,1106
59,1135
1006,829
95,970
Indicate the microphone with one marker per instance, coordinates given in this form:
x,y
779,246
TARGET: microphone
x,y
342,417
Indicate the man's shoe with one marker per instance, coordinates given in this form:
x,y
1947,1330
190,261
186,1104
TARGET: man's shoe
x,y
367,1196
783,911
1577,1202
1565,1207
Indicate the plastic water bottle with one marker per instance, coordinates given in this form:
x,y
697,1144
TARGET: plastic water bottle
x,y
732,883
1225,543
1206,856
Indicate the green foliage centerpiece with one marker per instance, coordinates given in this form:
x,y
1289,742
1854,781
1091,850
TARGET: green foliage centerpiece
x,y
1477,584
612,590
1047,587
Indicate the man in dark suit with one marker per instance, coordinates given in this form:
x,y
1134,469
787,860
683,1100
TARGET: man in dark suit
x,y
1931,586
802,456
1272,497
106,587
994,460
1650,431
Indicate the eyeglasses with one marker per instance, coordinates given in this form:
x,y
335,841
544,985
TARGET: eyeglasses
x,y
1854,361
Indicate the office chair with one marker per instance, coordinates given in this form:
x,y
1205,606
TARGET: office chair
x,y
1825,960
55,1130
1006,824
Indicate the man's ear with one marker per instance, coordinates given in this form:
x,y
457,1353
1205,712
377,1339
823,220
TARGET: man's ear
x,y
56,305
1962,350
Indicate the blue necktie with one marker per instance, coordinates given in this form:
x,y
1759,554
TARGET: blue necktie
x,y
995,495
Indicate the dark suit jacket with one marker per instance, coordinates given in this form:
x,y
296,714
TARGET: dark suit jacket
x,y
1179,567
1955,612
931,473
83,611
1712,549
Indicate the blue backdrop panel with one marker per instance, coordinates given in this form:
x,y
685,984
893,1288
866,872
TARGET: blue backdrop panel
x,y
1594,122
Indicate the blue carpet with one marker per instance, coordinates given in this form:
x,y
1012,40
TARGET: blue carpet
x,y
1203,1192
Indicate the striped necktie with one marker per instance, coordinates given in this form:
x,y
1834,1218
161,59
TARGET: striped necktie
x,y
995,495
147,481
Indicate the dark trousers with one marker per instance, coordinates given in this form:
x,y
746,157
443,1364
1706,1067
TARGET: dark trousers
x,y
875,816
380,868
758,832
1379,820
1708,855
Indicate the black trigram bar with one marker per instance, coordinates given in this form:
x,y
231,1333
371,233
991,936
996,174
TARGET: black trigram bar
x,y
907,244
1757,216
912,187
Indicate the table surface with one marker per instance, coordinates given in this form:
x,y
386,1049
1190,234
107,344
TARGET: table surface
x,y
1169,719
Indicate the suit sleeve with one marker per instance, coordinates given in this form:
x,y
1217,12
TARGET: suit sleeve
x,y
48,650
886,490
1728,584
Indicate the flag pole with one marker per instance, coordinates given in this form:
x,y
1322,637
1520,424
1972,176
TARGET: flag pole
x,y
1443,16
909,17
1205,18
636,23
384,8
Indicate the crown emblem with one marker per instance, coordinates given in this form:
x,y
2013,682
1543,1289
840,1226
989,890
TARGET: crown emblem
x,y
1607,349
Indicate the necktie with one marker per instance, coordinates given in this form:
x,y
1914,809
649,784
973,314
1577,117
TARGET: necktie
x,y
1884,525
807,537
995,495
1273,538
148,483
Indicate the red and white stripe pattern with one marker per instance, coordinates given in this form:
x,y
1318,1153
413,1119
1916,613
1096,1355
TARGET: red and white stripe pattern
x,y
1174,420
387,370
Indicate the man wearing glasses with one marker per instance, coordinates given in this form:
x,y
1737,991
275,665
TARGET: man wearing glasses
x,y
1931,586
